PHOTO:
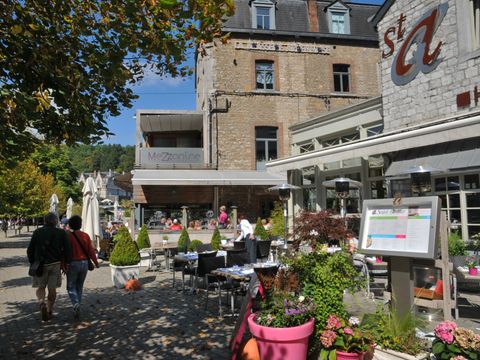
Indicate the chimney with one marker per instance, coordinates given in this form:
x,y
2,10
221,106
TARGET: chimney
x,y
312,15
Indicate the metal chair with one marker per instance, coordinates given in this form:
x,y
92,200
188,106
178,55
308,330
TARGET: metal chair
x,y
237,257
192,270
239,245
213,282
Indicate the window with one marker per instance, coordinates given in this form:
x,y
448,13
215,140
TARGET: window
x,y
475,22
341,78
263,15
264,75
265,145
338,23
307,147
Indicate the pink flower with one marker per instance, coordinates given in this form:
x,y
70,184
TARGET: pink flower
x,y
348,331
327,338
459,357
444,331
333,323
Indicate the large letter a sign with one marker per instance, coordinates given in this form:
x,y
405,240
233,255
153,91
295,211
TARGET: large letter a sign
x,y
424,57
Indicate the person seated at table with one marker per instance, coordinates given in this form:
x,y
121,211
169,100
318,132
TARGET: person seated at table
x,y
266,224
191,225
168,223
352,242
176,225
212,224
198,225
223,217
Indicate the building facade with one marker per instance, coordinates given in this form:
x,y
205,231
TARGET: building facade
x,y
285,62
106,187
429,78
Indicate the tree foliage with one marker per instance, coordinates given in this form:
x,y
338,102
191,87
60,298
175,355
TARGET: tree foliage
x,y
66,65
89,158
125,252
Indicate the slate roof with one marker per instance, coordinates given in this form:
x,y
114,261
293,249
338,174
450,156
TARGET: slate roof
x,y
292,18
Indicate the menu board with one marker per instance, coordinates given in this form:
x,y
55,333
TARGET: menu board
x,y
406,229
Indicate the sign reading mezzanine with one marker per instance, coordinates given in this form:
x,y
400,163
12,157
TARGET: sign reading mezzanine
x,y
171,156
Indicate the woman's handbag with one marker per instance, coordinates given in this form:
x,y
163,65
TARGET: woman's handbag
x,y
36,268
91,265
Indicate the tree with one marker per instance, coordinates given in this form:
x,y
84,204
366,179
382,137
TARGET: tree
x,y
66,65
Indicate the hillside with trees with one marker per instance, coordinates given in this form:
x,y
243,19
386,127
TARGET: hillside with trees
x,y
89,158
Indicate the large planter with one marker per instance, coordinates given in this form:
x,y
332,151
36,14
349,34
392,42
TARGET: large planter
x,y
383,354
473,271
281,343
121,274
349,356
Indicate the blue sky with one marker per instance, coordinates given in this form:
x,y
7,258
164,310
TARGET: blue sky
x,y
158,93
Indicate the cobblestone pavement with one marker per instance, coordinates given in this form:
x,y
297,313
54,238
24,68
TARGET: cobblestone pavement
x,y
157,322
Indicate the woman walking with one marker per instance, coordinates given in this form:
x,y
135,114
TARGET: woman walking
x,y
82,249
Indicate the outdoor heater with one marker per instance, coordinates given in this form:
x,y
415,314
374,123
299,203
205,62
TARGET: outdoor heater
x,y
284,191
342,187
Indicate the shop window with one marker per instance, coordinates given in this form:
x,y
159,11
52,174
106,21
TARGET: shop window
x,y
309,199
471,182
341,78
263,15
266,143
264,75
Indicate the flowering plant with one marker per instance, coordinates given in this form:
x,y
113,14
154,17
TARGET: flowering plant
x,y
471,261
286,311
342,335
452,342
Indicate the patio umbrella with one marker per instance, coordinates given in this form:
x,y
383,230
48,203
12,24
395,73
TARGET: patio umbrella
x,y
69,208
54,204
115,210
90,211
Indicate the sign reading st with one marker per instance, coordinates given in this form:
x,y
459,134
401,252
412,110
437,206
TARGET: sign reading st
x,y
416,53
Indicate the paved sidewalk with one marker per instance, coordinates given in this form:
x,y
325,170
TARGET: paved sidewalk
x,y
157,322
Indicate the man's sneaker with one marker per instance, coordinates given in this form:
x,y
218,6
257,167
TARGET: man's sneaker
x,y
43,311
76,311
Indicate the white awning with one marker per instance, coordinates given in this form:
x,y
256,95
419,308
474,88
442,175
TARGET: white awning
x,y
170,120
441,131
206,177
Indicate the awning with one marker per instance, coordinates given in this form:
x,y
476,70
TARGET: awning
x,y
206,177
457,155
170,120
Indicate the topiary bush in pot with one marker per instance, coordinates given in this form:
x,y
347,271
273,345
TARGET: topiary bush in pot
x,y
260,231
216,239
125,252
456,246
183,241
194,245
143,240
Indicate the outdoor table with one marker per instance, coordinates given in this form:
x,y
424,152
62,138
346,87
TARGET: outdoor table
x,y
165,247
464,276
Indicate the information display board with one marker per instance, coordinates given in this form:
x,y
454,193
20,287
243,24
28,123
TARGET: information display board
x,y
406,228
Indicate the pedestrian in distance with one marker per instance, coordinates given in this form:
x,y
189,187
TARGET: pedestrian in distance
x,y
82,250
51,247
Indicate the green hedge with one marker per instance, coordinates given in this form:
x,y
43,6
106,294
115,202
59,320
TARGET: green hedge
x,y
125,252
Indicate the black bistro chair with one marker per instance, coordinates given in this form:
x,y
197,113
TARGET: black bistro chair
x,y
237,257
192,270
239,245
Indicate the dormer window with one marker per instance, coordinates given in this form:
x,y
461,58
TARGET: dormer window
x,y
338,18
263,15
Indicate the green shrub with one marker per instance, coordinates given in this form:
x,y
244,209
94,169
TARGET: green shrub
x,y
122,232
183,241
216,239
456,246
276,218
194,245
165,237
125,252
143,240
260,231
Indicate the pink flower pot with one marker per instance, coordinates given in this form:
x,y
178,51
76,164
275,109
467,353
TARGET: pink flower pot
x,y
281,343
473,271
349,356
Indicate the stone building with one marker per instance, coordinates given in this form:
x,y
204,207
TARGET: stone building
x,y
429,79
285,62
107,189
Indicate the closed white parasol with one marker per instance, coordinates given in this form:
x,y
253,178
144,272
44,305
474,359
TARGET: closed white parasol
x,y
90,212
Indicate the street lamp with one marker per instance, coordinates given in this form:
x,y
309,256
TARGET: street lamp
x,y
284,191
342,187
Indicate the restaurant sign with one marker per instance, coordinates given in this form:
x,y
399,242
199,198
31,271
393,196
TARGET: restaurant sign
x,y
171,156
417,53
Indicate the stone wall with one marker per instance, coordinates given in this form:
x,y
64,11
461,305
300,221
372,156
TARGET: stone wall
x,y
429,96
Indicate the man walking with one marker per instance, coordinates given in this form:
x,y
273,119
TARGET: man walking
x,y
51,247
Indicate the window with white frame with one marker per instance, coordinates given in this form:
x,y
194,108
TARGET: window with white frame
x,y
341,78
306,147
339,19
266,139
263,15
264,75
345,139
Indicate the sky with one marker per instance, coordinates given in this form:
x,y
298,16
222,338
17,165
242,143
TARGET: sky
x,y
161,93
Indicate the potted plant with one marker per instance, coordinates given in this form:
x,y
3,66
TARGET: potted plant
x,y
124,260
452,342
343,340
183,241
143,242
472,262
193,246
456,249
216,239
259,231
283,325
